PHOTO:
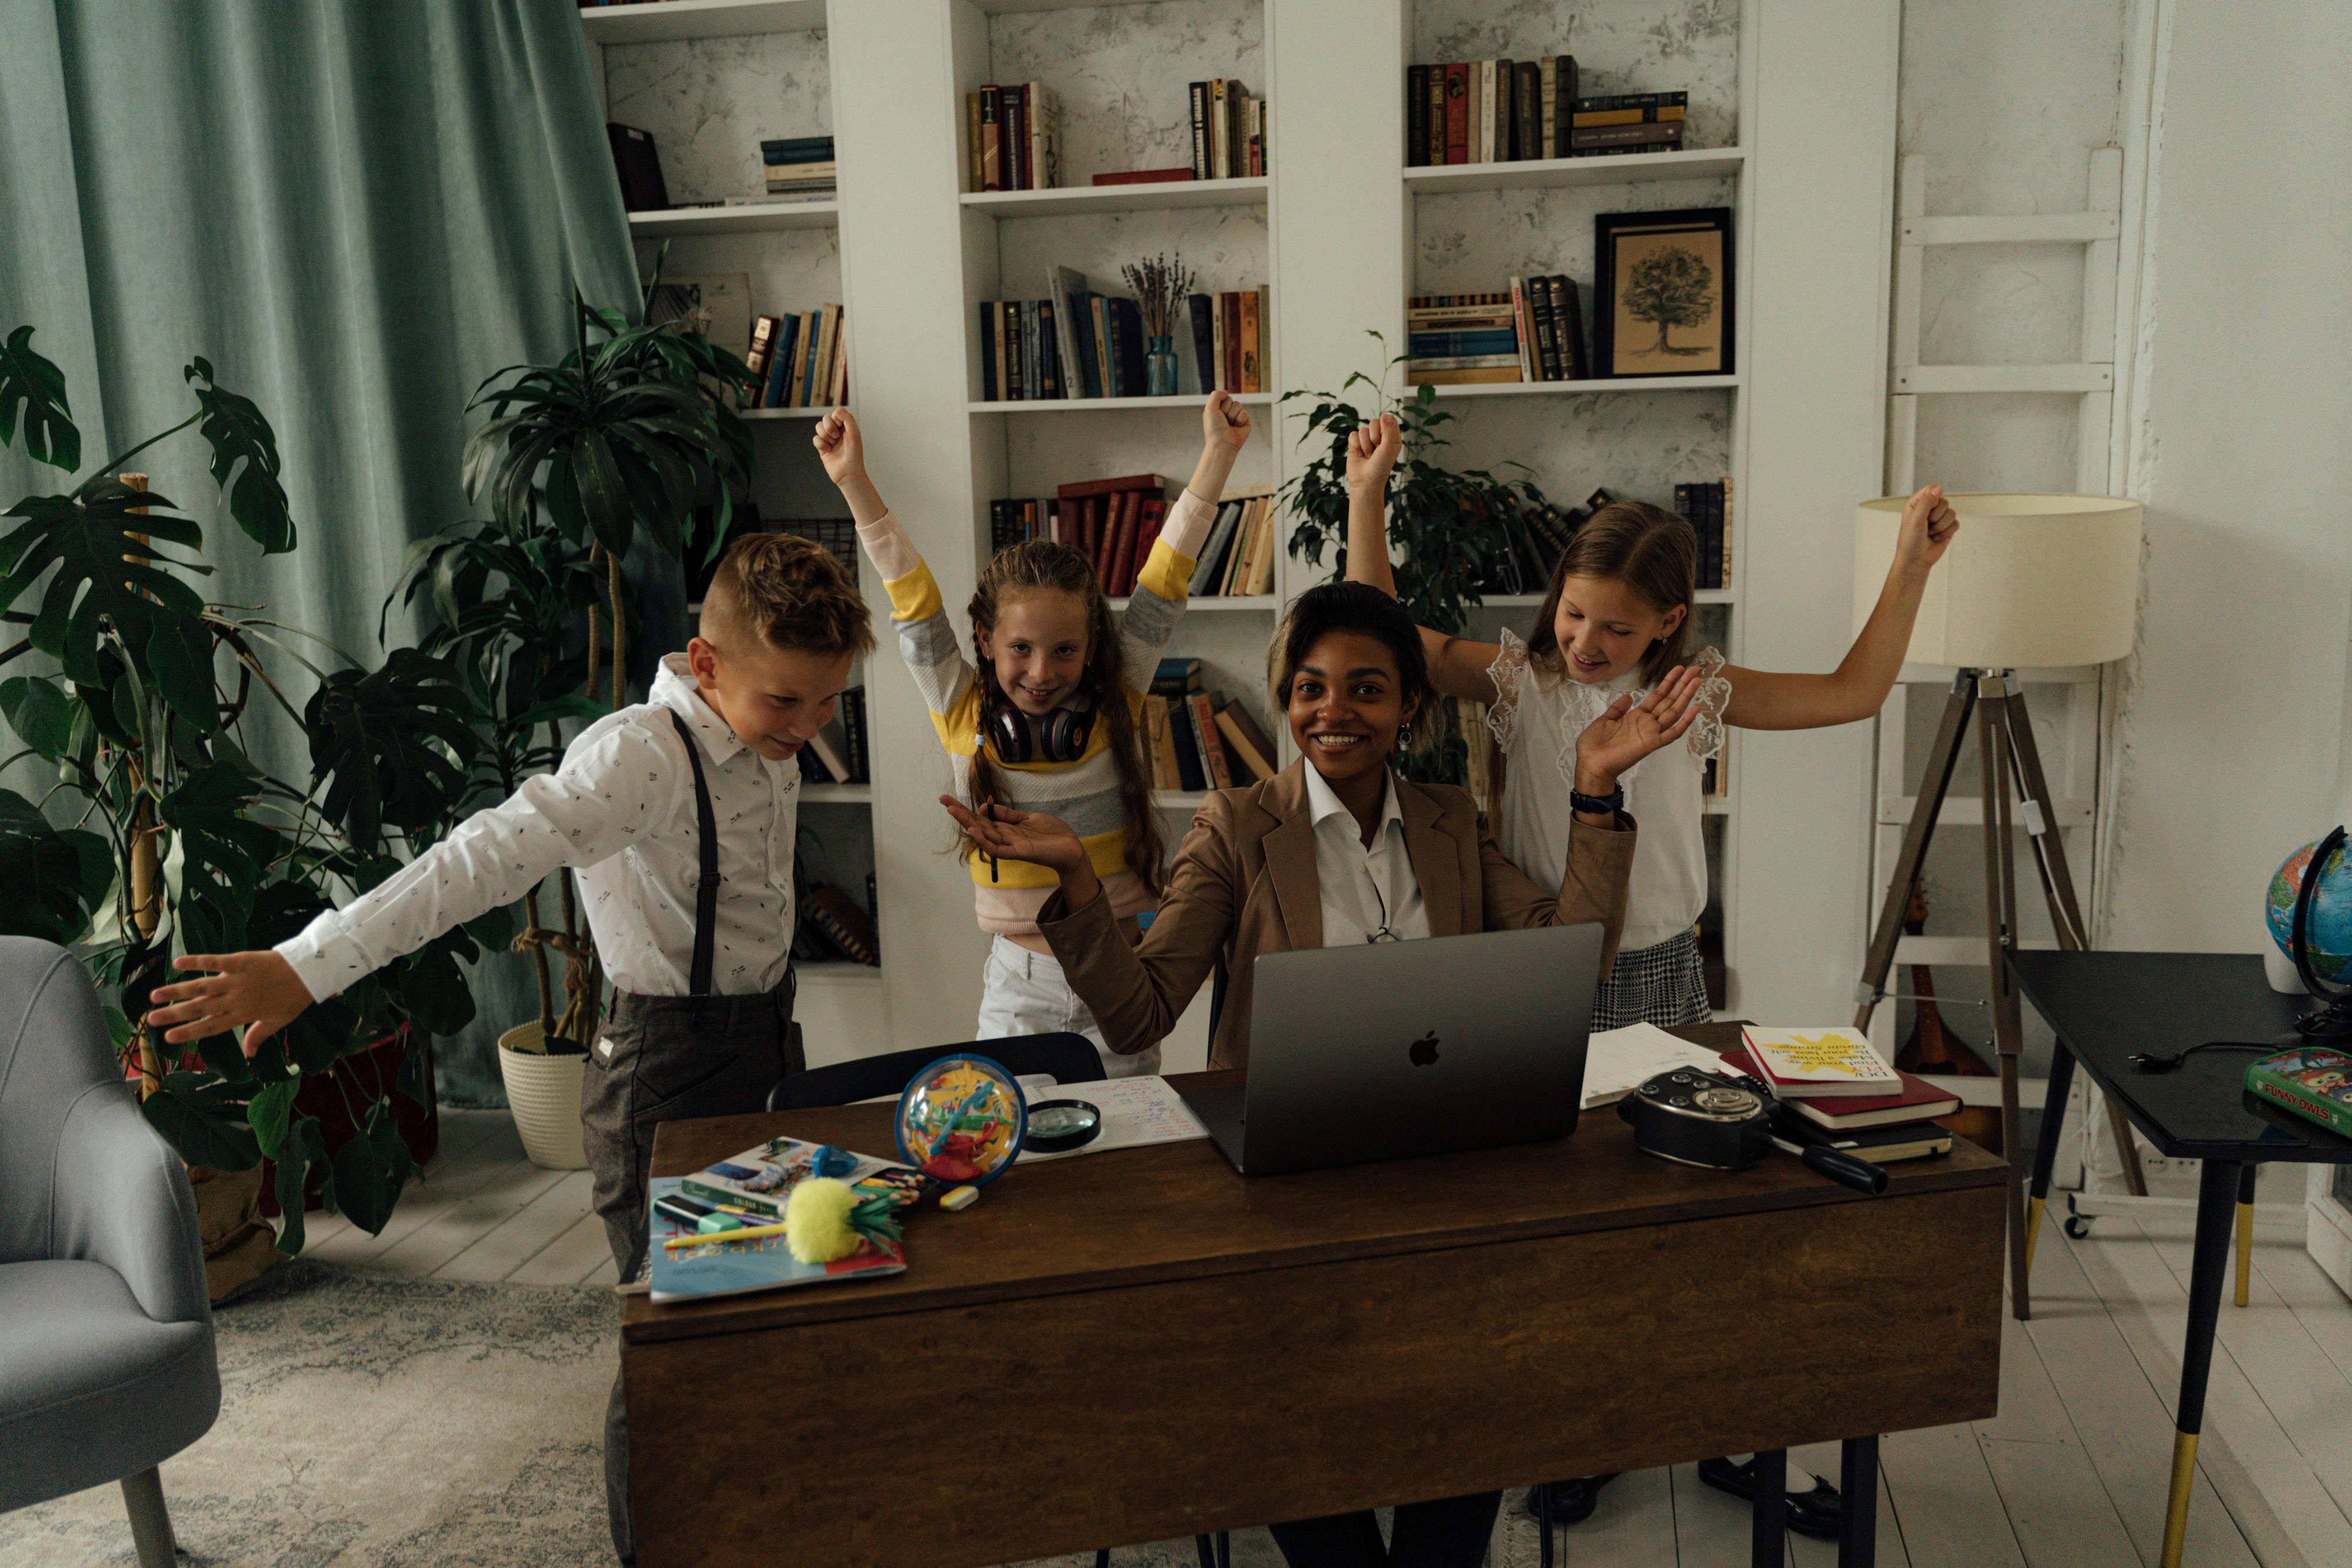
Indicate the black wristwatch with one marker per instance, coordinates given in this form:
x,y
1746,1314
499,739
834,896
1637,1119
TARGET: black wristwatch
x,y
1610,804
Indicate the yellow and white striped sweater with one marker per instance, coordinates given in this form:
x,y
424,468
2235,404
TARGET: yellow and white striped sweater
x,y
1084,793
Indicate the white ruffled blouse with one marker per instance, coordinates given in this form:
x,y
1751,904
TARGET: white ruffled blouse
x,y
1536,717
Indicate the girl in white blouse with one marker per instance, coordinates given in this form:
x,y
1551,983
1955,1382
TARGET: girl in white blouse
x,y
1613,622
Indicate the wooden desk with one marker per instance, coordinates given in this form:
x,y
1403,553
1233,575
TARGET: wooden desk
x,y
1145,1346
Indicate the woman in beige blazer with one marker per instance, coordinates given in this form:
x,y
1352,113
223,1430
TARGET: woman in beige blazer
x,y
1348,671
1336,849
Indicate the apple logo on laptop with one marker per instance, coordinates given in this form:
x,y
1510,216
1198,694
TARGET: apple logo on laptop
x,y
1423,1053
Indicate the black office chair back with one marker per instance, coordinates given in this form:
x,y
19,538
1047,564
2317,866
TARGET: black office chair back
x,y
1069,1058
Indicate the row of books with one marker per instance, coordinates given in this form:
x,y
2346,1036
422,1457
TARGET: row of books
x,y
1012,138
1116,522
1537,536
1505,112
800,168
802,361
1197,739
1228,130
1533,331
837,754
1835,1083
1707,509
1083,344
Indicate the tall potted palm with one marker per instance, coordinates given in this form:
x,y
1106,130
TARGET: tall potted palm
x,y
631,430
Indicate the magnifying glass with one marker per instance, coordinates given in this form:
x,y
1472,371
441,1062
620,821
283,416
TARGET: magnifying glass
x,y
1057,1126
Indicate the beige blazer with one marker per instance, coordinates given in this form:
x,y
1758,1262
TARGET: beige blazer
x,y
1245,883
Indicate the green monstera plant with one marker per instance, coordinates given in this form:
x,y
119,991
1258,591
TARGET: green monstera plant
x,y
156,833
1446,526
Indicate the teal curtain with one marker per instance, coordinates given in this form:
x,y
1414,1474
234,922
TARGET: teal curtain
x,y
356,210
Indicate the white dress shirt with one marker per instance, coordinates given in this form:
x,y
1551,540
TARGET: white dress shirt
x,y
1365,891
621,811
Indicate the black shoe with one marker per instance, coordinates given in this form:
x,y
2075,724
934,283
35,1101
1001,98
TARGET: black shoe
x,y
1567,1502
1820,1513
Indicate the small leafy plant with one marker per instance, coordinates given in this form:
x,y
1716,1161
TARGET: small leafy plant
x,y
161,835
1445,525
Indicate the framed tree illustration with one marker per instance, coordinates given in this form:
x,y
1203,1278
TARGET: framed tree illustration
x,y
1662,297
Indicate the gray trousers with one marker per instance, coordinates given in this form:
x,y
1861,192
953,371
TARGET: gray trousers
x,y
658,1058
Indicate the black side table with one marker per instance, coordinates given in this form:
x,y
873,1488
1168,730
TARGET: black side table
x,y
2107,1007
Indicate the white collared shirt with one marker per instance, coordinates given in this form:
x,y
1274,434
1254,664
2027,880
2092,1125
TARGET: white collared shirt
x,y
620,810
1365,891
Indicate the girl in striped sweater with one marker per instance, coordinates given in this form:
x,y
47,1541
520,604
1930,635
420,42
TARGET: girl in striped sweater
x,y
1046,714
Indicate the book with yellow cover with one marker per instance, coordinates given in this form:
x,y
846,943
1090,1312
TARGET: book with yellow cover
x,y
1799,1064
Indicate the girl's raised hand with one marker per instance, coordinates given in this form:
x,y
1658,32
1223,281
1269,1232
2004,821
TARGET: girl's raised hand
x,y
1225,421
1929,526
1371,452
1010,835
1629,731
838,446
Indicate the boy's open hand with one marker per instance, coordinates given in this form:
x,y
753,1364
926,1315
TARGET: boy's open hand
x,y
258,990
1629,731
839,446
1929,526
1225,421
1371,452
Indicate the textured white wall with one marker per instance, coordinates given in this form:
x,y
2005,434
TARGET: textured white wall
x,y
2229,750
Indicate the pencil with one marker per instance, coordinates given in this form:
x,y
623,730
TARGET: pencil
x,y
742,1233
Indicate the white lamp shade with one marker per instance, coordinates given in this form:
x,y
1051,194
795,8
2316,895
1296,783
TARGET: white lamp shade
x,y
2043,581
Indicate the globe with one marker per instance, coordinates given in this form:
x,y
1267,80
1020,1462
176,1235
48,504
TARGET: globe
x,y
962,1118
2328,934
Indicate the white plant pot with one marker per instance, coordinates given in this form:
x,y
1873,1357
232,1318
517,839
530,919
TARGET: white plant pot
x,y
543,1092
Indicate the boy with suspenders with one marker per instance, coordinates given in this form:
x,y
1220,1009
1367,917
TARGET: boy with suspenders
x,y
678,815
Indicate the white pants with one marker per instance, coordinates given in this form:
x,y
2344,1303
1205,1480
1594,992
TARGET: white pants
x,y
1026,993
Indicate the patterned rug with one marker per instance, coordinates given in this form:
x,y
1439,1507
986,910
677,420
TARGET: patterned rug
x,y
371,1421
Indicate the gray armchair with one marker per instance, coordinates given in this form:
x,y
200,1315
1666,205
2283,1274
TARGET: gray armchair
x,y
106,1336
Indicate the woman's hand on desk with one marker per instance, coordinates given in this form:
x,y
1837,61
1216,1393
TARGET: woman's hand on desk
x,y
1629,730
1031,836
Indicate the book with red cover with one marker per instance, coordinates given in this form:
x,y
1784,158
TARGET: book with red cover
x,y
1457,112
1919,1102
1086,488
1090,526
1118,541
1210,741
1229,306
1143,176
1153,513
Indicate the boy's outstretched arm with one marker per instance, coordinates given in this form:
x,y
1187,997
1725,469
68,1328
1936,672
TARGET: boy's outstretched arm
x,y
587,810
1857,688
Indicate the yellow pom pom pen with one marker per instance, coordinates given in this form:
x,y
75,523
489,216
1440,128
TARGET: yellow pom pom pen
x,y
747,1233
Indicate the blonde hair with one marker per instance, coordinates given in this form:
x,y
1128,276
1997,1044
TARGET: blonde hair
x,y
790,593
1037,566
1650,550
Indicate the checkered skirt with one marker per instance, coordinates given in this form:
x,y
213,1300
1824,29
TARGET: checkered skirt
x,y
1660,985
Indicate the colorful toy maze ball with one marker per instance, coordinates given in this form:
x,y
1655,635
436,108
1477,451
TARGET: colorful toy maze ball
x,y
962,1118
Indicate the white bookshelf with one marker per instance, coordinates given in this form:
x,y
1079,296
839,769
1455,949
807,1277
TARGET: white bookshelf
x,y
1336,230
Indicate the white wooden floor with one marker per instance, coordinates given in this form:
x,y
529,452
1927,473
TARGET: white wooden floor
x,y
2071,1474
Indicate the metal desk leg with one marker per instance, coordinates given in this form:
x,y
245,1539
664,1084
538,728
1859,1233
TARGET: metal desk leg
x,y
2245,1228
1858,1480
2045,1151
1769,1510
2217,1187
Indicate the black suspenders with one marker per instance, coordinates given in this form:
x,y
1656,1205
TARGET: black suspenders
x,y
705,890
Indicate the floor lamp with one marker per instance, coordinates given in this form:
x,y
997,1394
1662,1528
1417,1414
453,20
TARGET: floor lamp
x,y
2032,582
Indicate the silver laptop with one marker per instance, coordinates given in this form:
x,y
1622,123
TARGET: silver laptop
x,y
1380,1051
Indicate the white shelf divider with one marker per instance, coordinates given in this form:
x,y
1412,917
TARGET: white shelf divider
x,y
838,794
1200,603
653,21
1157,194
1106,404
1617,169
1534,601
764,218
818,412
1602,384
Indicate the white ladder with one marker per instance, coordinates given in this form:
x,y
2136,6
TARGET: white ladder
x,y
2074,786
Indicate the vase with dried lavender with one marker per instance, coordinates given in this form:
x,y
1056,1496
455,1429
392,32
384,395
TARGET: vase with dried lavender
x,y
1159,285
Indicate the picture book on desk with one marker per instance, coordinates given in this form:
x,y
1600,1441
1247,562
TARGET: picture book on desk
x,y
732,1269
1917,1101
2312,1081
1801,1063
